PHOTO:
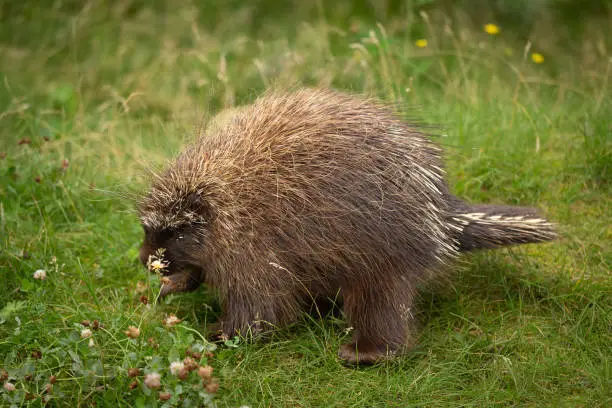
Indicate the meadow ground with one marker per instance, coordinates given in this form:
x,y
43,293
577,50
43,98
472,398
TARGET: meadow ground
x,y
91,94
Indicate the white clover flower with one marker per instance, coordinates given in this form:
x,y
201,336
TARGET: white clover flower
x,y
176,367
132,332
86,333
40,274
141,287
205,372
171,320
152,380
9,386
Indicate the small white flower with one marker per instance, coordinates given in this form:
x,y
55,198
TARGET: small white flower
x,y
176,367
152,380
85,333
91,343
171,320
132,332
9,386
205,372
40,274
141,287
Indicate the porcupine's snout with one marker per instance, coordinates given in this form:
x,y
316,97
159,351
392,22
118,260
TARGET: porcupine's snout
x,y
144,253
161,252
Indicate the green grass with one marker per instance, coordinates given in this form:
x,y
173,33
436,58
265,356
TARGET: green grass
x,y
114,89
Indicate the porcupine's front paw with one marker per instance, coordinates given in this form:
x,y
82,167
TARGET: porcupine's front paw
x,y
226,329
365,353
214,332
252,329
219,332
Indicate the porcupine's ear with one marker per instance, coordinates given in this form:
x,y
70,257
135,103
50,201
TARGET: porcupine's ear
x,y
197,203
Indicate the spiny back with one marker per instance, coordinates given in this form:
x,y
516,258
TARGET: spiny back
x,y
317,170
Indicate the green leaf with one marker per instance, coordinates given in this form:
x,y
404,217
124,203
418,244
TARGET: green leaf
x,y
140,402
26,285
10,309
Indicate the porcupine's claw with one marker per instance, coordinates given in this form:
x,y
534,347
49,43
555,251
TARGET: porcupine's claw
x,y
185,281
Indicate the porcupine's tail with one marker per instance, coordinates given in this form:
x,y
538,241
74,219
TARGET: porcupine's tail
x,y
491,226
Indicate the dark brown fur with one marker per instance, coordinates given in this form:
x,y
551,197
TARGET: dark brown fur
x,y
305,194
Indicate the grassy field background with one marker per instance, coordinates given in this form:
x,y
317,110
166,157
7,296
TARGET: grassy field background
x,y
93,92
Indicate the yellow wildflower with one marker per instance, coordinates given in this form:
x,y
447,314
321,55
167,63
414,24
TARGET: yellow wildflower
x,y
422,43
491,29
537,57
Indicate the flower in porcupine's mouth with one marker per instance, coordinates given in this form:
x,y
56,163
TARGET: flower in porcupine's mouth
x,y
157,265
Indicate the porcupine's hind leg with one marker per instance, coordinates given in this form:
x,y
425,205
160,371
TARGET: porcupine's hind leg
x,y
380,314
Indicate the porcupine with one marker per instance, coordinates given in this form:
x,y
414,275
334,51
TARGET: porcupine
x,y
309,194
